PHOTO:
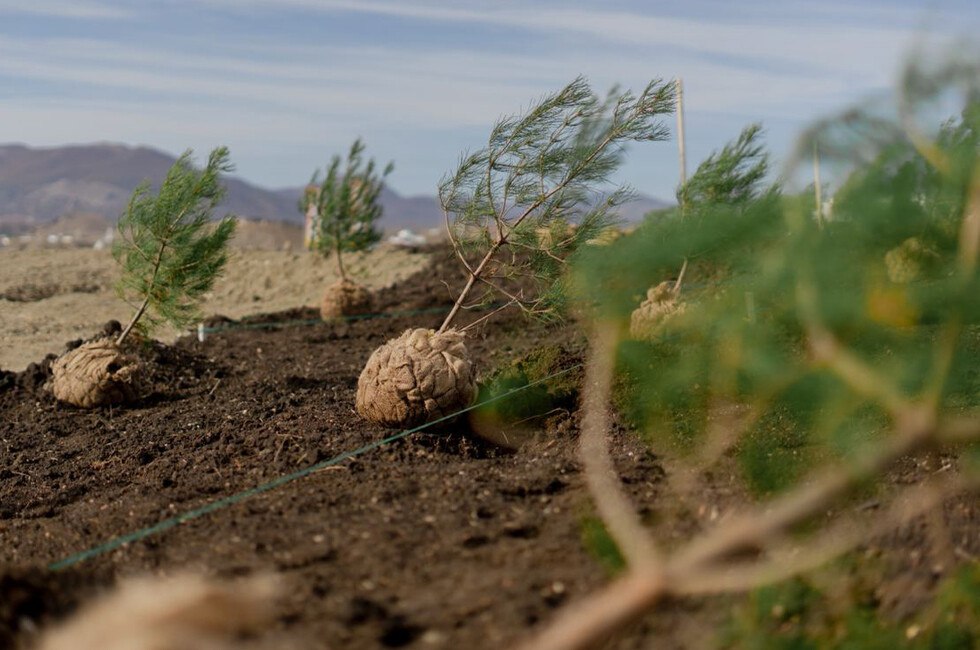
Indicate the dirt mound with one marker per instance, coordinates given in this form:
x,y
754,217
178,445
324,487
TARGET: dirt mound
x,y
35,292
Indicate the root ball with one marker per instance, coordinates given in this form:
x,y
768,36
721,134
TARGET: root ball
x,y
185,612
94,374
346,298
909,261
648,319
418,377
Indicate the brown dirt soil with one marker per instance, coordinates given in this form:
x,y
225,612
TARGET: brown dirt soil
x,y
49,296
433,541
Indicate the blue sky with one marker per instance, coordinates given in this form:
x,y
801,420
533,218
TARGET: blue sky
x,y
288,83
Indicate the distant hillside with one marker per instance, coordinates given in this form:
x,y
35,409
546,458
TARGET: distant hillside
x,y
41,185
46,184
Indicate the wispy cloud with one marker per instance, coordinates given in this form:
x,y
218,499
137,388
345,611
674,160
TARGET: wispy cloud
x,y
823,44
286,82
64,9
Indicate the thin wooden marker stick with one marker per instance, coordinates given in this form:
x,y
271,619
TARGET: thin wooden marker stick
x,y
817,189
680,131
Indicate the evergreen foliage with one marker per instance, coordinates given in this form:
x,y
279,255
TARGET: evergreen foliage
x,y
535,188
768,286
799,346
347,205
732,176
169,251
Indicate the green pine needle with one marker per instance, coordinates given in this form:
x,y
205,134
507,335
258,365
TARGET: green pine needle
x,y
169,250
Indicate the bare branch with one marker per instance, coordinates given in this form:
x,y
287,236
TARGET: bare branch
x,y
595,618
614,507
753,529
828,351
845,535
488,316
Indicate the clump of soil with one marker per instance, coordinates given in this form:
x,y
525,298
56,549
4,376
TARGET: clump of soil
x,y
31,292
31,378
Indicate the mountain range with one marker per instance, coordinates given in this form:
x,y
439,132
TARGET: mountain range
x,y
41,185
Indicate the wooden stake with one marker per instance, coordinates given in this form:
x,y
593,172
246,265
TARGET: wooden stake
x,y
817,190
680,130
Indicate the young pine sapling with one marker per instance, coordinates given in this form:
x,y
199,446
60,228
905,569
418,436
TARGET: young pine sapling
x,y
345,206
515,210
170,254
733,176
729,180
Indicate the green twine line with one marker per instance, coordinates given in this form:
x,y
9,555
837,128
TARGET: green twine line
x,y
225,502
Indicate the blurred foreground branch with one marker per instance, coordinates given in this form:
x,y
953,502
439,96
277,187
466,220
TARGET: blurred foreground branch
x,y
867,340
704,564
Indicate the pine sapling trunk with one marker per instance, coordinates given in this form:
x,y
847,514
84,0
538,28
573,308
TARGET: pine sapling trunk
x,y
153,278
338,248
340,264
474,276
132,322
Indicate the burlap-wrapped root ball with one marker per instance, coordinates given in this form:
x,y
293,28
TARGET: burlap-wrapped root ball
x,y
96,373
346,298
418,377
909,260
647,320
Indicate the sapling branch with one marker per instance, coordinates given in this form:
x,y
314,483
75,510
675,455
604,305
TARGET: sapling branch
x,y
849,533
828,361
613,506
536,171
700,566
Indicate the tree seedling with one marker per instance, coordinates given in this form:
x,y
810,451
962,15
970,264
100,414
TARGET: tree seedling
x,y
345,206
515,210
169,253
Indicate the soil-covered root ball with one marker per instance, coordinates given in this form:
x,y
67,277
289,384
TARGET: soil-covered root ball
x,y
185,612
648,319
94,374
419,377
346,298
909,260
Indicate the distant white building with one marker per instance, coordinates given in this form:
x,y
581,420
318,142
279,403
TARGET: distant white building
x,y
407,238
